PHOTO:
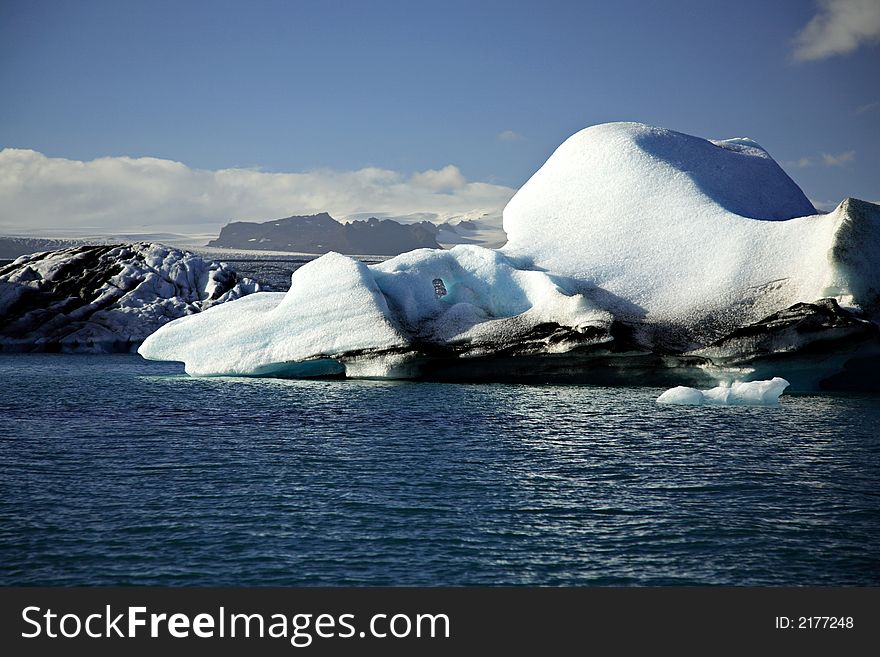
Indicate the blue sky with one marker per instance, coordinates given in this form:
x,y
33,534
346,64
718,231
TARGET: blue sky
x,y
489,87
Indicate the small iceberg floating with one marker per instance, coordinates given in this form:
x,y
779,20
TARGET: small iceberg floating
x,y
748,393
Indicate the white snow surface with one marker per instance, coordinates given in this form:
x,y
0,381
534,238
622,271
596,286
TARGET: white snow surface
x,y
624,221
741,393
487,298
360,317
333,306
683,227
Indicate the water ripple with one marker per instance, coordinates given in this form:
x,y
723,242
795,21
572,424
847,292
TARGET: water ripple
x,y
114,470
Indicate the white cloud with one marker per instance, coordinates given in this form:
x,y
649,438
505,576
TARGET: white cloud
x,y
838,160
447,179
509,135
828,159
824,206
113,194
839,27
867,107
802,163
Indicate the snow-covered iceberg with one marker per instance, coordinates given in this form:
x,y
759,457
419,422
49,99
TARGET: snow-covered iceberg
x,y
700,234
106,298
634,252
342,316
738,393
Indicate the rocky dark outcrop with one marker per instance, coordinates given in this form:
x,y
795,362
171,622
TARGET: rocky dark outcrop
x,y
321,233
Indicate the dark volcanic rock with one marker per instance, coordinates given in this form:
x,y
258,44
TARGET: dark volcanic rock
x,y
106,298
804,327
321,233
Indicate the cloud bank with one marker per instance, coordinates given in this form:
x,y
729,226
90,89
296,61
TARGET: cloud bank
x,y
118,194
840,27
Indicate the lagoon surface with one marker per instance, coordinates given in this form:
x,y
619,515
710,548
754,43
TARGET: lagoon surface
x,y
115,470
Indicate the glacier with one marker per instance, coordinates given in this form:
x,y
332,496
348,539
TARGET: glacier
x,y
106,298
634,253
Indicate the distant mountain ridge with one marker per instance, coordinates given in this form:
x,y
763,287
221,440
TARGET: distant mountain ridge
x,y
321,233
13,247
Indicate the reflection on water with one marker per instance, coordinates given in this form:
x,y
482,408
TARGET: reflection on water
x,y
115,470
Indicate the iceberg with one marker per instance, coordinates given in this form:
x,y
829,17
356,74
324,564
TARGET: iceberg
x,y
341,316
635,253
689,230
106,298
740,393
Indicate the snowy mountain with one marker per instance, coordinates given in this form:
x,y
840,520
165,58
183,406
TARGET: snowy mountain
x,y
321,233
483,232
106,298
635,254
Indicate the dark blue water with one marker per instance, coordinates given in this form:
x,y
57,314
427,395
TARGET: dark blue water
x,y
114,470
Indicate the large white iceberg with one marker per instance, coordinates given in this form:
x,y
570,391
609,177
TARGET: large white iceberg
x,y
687,229
632,247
